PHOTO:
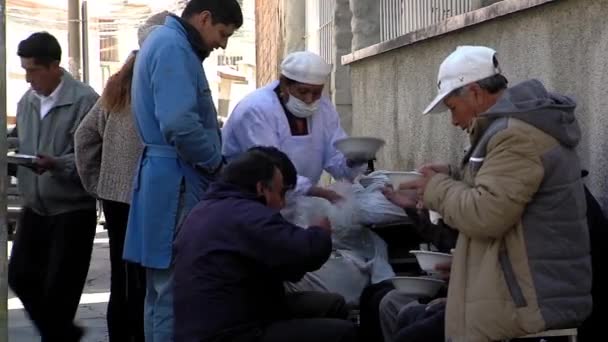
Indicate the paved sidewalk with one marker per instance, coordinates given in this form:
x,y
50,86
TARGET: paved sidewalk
x,y
92,311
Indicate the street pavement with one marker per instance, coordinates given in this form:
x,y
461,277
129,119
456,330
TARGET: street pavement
x,y
92,310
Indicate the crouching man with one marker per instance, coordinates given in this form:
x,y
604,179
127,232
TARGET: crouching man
x,y
233,254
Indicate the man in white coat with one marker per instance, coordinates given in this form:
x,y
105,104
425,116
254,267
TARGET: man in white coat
x,y
292,115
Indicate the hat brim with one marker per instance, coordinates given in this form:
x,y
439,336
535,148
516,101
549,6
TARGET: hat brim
x,y
437,105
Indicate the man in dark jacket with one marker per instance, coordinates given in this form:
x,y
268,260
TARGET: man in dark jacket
x,y
233,254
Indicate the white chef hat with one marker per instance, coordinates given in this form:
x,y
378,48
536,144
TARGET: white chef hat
x,y
305,67
152,23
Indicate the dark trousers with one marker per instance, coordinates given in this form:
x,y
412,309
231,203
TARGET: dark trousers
x,y
309,317
369,310
48,269
125,314
421,324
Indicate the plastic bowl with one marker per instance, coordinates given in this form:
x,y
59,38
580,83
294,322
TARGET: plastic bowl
x,y
359,148
417,286
428,260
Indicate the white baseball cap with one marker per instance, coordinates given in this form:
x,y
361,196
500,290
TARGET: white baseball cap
x,y
467,64
305,67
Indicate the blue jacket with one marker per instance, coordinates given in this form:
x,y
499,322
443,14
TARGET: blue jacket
x,y
232,256
177,121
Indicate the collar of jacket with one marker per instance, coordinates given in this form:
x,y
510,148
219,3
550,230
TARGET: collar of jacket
x,y
194,38
480,125
67,94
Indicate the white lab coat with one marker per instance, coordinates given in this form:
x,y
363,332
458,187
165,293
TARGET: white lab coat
x,y
259,120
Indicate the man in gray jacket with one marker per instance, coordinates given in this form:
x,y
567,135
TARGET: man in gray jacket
x,y
52,249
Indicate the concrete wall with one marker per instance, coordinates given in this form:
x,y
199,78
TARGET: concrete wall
x,y
563,44
269,40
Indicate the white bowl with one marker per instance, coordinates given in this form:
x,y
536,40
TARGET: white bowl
x,y
398,177
428,260
417,286
359,148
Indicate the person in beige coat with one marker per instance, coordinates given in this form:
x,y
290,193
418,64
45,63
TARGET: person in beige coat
x,y
107,152
522,261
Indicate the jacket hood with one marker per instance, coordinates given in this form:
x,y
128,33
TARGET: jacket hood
x,y
530,102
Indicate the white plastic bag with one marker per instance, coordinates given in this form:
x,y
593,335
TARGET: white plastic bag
x,y
374,207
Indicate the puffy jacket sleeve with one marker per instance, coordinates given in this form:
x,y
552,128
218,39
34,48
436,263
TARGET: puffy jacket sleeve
x,y
334,160
175,86
88,142
290,251
506,182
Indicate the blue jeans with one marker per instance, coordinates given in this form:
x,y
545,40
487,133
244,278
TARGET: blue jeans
x,y
158,310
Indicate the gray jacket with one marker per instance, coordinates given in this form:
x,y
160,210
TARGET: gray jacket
x,y
107,151
58,191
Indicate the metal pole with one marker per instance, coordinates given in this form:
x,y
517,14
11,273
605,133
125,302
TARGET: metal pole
x,y
74,37
3,182
85,42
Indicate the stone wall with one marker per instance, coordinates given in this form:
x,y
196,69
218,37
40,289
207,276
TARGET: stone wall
x,y
563,44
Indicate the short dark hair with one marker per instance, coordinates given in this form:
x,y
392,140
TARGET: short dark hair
x,y
227,12
288,170
43,47
287,81
249,168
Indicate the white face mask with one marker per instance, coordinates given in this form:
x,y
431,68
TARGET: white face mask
x,y
300,109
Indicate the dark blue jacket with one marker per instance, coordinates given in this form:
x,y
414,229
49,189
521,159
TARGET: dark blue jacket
x,y
232,256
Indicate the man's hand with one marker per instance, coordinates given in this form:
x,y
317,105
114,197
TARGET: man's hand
x,y
444,270
437,168
324,223
419,185
44,163
434,302
329,195
403,199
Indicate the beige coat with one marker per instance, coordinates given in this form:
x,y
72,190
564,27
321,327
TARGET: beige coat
x,y
521,263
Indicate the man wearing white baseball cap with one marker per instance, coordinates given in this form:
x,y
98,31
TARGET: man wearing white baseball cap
x,y
522,261
292,115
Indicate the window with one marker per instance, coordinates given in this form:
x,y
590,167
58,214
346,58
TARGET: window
x,y
228,60
320,28
399,17
108,40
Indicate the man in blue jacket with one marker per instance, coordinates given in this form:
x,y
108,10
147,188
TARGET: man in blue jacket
x,y
233,254
177,121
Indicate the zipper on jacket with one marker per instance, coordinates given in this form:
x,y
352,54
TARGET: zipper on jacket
x,y
511,280
37,177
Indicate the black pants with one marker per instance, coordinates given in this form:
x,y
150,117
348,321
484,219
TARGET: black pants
x,y
48,269
369,310
310,317
125,314
421,324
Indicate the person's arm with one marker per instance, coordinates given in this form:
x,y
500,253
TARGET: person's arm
x,y
290,251
64,165
508,179
175,86
88,142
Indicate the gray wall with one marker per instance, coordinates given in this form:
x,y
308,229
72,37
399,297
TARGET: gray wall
x,y
564,44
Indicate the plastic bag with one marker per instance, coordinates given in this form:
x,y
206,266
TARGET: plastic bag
x,y
374,207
